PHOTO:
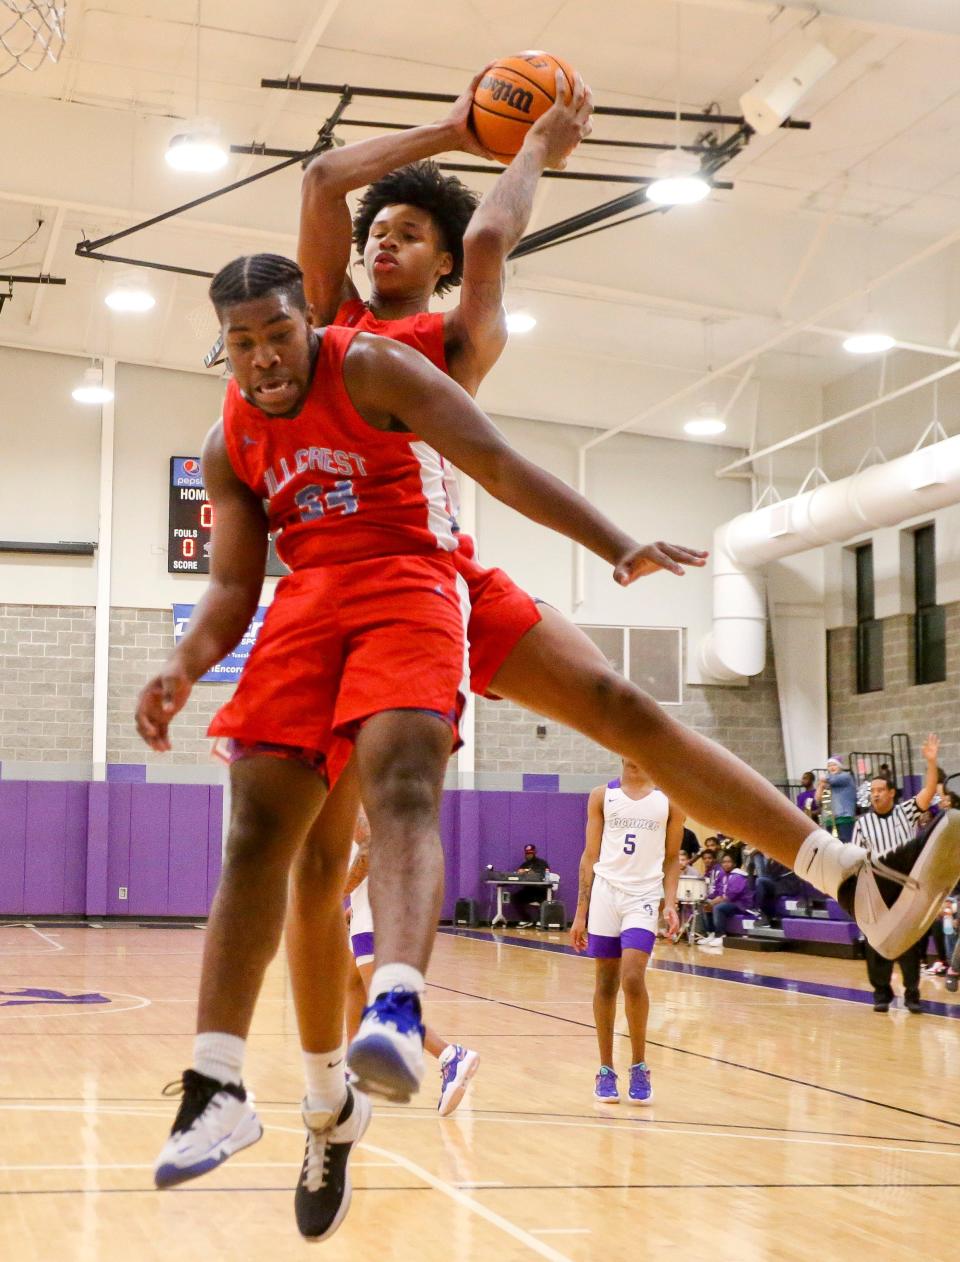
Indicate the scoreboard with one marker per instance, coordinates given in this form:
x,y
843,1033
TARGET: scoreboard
x,y
190,522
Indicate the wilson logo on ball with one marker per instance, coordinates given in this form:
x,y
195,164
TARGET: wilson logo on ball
x,y
508,93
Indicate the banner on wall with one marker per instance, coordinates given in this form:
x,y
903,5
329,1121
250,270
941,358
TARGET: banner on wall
x,y
228,670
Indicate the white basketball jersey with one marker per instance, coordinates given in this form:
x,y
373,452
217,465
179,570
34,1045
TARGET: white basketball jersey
x,y
634,839
360,897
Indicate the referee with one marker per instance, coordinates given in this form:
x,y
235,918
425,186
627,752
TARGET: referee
x,y
885,826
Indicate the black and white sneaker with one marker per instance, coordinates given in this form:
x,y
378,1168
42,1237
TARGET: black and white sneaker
x,y
215,1120
896,899
323,1193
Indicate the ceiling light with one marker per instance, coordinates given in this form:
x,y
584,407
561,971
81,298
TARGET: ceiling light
x,y
706,423
869,342
92,390
678,182
129,295
198,150
520,322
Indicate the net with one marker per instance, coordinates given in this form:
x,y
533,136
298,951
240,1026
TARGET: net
x,y
31,32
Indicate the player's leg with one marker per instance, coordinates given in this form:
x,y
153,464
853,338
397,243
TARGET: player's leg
x,y
606,987
556,671
636,1002
401,759
910,963
319,960
880,973
273,803
358,987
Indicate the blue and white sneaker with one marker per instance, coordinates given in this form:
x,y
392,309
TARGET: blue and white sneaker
x,y
605,1089
386,1057
215,1120
641,1092
455,1073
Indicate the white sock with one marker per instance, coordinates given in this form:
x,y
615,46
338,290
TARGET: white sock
x,y
447,1055
219,1056
326,1084
826,862
392,976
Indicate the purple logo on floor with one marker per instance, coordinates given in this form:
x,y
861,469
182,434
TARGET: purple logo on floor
x,y
35,994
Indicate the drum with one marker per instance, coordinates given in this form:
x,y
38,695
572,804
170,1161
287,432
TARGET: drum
x,y
691,889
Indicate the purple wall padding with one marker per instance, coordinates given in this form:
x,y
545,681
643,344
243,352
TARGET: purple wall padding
x,y
127,772
189,829
537,782
13,847
98,848
214,843
42,847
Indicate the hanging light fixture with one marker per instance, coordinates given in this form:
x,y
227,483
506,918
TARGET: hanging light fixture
x,y
520,322
706,423
91,389
868,341
199,149
130,296
679,181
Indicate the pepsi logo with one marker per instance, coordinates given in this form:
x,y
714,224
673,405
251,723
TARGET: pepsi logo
x,y
191,466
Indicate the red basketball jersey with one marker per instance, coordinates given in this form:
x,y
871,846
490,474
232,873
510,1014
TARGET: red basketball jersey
x,y
423,331
336,489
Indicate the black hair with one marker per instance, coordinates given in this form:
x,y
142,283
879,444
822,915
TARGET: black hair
x,y
447,200
255,276
886,780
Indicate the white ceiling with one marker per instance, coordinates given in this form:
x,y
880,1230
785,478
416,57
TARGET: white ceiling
x,y
628,317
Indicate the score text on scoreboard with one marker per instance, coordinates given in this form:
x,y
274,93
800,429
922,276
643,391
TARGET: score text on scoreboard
x,y
190,519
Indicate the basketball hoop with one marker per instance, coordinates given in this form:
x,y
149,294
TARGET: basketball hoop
x,y
31,32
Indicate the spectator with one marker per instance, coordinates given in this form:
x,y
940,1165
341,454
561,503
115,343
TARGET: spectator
x,y
690,845
843,796
730,895
777,882
529,895
885,827
948,918
705,864
807,797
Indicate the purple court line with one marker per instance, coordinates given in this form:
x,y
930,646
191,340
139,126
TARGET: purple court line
x,y
744,977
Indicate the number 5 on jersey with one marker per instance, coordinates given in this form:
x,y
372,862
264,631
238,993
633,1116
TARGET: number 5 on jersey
x,y
629,843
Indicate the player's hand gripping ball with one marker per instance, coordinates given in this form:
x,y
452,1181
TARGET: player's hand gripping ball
x,y
513,93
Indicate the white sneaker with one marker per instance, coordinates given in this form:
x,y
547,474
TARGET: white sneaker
x,y
386,1057
325,1188
896,899
215,1120
454,1076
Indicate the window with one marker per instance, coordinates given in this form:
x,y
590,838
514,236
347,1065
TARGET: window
x,y
650,657
929,624
869,629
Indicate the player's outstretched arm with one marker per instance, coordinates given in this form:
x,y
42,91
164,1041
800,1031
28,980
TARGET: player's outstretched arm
x,y
237,563
393,386
671,868
323,249
591,853
476,329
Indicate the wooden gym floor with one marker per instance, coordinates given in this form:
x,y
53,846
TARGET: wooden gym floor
x,y
791,1121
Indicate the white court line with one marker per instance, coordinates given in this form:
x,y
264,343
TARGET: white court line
x,y
86,1010
53,948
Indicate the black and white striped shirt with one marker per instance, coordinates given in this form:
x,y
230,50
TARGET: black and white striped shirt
x,y
882,833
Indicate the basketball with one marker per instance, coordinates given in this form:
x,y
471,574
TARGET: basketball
x,y
511,97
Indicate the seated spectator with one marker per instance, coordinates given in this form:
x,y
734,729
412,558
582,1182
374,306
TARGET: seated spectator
x,y
729,896
689,846
529,895
807,797
705,864
777,882
843,796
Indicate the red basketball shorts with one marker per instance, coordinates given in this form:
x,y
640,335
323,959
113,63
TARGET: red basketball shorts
x,y
501,613
341,643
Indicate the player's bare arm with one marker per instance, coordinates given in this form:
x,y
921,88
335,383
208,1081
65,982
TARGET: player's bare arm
x,y
323,248
591,854
476,331
395,387
237,563
671,868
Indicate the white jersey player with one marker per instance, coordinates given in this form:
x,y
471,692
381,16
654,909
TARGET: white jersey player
x,y
630,863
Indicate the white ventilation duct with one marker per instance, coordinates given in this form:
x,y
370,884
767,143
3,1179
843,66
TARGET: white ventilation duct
x,y
883,495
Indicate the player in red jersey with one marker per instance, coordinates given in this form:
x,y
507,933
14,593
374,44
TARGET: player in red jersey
x,y
417,237
336,432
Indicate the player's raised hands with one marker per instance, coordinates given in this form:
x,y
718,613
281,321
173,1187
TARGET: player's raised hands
x,y
565,123
161,698
458,120
656,556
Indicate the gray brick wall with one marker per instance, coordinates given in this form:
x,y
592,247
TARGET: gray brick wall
x,y
140,641
46,683
867,721
744,720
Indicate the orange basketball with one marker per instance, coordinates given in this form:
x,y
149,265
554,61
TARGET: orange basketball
x,y
511,96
